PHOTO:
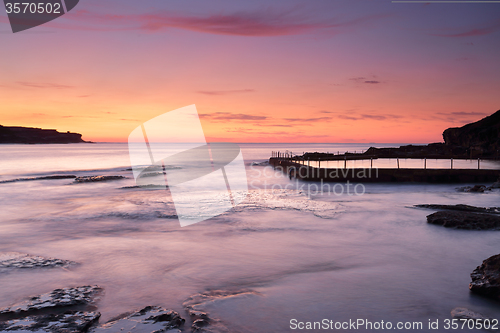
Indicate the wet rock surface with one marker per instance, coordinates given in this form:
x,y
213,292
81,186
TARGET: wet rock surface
x,y
15,260
460,207
73,310
92,179
486,278
465,220
68,310
67,298
70,322
151,319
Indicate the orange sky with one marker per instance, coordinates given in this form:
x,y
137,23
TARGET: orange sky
x,y
325,72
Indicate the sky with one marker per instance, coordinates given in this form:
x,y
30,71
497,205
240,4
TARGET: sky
x,y
258,71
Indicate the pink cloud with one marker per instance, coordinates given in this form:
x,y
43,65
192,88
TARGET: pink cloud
x,y
224,92
269,23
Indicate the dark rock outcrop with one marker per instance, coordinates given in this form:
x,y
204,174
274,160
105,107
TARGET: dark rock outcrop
x,y
29,135
482,137
151,319
464,208
465,220
486,278
37,178
93,179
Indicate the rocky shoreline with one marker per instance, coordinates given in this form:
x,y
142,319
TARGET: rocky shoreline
x,y
486,277
75,309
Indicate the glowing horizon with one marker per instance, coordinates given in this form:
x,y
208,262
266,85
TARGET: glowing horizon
x,y
325,72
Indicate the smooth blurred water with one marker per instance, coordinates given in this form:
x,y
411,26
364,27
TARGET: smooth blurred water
x,y
294,252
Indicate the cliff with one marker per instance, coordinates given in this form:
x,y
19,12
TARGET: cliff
x,y
481,137
36,135
475,140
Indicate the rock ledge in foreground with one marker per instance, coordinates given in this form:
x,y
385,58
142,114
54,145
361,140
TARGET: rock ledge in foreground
x,y
66,299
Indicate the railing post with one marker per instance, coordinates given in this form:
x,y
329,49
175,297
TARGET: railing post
x,y
451,163
425,163
371,162
345,162
319,163
398,162
478,164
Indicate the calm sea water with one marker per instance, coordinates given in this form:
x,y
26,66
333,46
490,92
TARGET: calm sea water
x,y
291,252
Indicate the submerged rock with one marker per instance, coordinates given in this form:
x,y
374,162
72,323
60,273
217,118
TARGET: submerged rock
x,y
473,189
151,319
66,298
486,278
202,322
69,322
464,313
495,185
465,220
91,179
13,260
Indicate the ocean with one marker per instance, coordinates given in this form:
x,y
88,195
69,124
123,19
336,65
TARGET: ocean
x,y
288,253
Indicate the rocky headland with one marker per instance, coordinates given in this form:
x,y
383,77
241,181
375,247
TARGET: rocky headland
x,y
480,139
29,135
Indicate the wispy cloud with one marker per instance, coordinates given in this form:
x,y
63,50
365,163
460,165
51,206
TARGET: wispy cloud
x,y
228,116
463,114
307,120
459,116
365,80
44,85
481,31
224,92
258,23
367,116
